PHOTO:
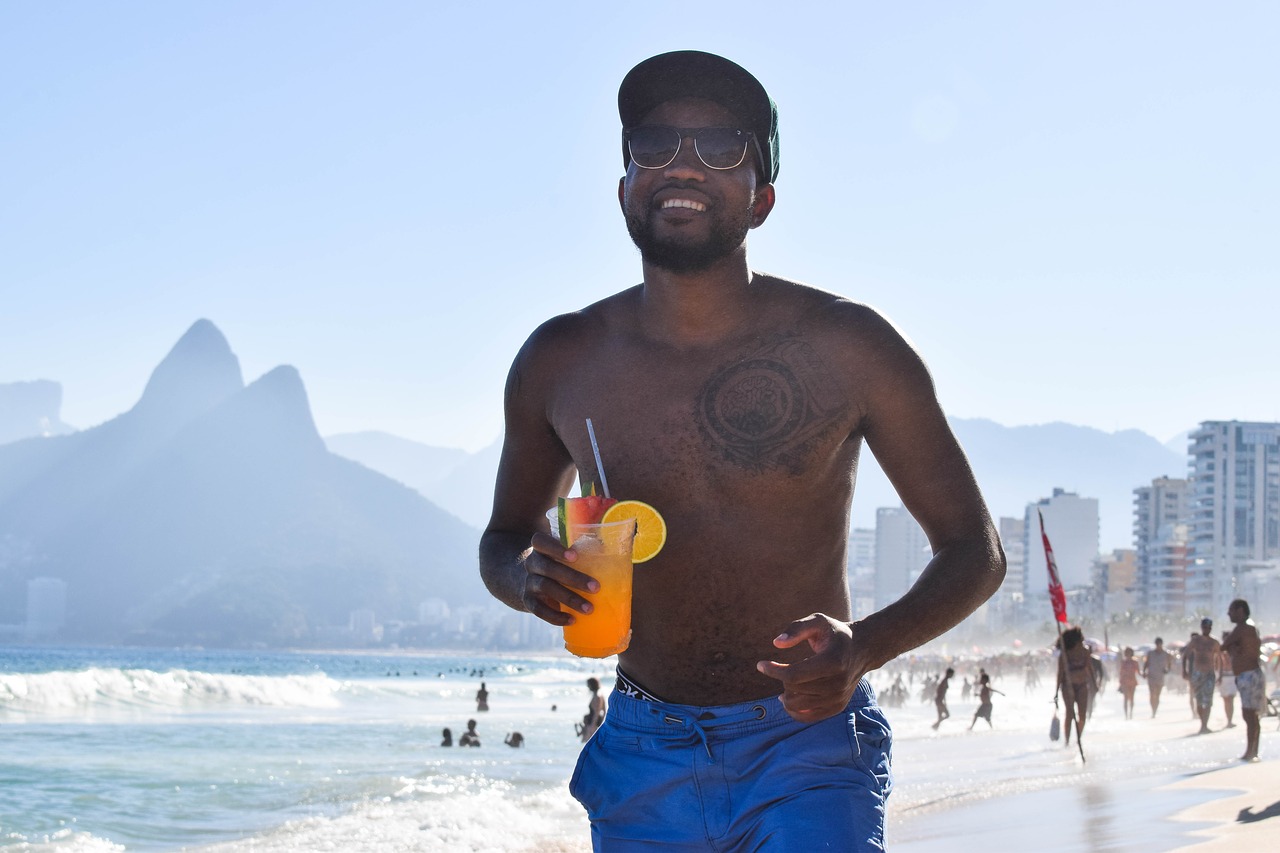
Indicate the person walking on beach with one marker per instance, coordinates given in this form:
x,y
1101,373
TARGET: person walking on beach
x,y
1128,680
1227,685
1155,666
984,701
736,403
1075,672
940,697
1201,667
1244,644
482,698
595,712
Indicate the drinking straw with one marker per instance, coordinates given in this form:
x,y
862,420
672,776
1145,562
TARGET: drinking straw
x,y
595,448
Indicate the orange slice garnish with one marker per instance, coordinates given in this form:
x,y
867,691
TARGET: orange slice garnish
x,y
651,529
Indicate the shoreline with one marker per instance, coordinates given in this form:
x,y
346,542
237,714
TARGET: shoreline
x,y
1148,785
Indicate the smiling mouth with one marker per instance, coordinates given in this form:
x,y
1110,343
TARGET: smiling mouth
x,y
684,203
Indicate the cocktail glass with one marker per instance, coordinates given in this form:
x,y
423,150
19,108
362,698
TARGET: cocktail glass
x,y
604,553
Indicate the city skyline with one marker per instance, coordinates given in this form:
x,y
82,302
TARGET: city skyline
x,y
1069,218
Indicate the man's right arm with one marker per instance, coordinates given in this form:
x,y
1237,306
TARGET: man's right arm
x,y
521,563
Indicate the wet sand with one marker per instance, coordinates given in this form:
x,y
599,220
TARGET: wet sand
x,y
1148,784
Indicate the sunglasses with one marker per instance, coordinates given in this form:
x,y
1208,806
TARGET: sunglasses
x,y
655,146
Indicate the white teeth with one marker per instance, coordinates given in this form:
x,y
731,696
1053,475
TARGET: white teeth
x,y
685,203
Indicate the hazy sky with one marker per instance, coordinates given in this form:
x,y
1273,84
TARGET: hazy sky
x,y
1070,207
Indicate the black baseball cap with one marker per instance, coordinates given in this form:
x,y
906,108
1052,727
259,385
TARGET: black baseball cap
x,y
695,74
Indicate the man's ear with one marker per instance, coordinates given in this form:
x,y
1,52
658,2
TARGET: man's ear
x,y
622,193
763,204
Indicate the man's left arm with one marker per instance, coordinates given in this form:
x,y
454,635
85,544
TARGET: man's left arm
x,y
905,428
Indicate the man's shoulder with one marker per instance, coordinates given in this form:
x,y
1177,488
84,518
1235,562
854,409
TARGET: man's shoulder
x,y
573,330
816,306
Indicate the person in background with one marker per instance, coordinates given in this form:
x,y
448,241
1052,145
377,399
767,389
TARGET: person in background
x,y
1128,680
1155,666
514,740
1075,677
595,712
1244,644
482,698
1227,685
470,737
940,697
1201,666
447,739
984,701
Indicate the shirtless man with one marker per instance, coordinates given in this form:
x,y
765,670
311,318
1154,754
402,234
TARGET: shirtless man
x,y
1155,666
1201,666
736,403
1244,644
940,697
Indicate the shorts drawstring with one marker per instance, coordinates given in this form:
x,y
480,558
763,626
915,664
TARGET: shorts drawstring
x,y
700,725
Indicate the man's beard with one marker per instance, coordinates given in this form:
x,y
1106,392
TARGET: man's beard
x,y
727,234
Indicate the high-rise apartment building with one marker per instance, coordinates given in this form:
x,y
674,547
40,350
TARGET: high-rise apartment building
x,y
1166,579
1072,524
1008,599
1157,510
862,570
1234,523
902,552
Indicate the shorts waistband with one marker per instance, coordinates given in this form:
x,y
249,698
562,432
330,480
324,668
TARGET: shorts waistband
x,y
632,706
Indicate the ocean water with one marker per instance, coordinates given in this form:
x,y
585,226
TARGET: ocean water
x,y
146,750
124,749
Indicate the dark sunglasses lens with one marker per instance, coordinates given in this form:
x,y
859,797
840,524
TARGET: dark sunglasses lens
x,y
722,147
653,146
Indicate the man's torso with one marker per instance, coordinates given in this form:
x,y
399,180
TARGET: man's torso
x,y
1244,644
747,447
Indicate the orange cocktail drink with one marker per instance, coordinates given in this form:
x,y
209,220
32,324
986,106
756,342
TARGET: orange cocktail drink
x,y
604,553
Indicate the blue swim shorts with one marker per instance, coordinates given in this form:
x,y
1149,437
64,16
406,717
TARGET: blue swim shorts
x,y
659,776
1252,686
1202,686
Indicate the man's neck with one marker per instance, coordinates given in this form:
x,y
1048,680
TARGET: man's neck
x,y
698,308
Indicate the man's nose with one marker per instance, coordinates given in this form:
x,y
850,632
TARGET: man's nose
x,y
687,165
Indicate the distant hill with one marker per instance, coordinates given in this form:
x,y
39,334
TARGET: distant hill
x,y
30,409
458,481
212,512
1014,465
1019,465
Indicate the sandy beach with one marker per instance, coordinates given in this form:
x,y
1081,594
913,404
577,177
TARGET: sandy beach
x,y
1147,785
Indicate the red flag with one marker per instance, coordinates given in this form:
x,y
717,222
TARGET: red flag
x,y
1057,596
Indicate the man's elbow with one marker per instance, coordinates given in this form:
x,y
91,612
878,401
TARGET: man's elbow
x,y
995,564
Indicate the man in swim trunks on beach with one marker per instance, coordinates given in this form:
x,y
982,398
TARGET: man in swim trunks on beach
x,y
1155,666
1200,666
736,403
1244,644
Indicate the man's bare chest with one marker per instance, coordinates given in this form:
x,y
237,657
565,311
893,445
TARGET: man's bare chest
x,y
767,408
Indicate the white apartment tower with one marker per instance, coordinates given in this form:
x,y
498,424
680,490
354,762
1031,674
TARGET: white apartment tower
x,y
1072,524
1235,508
1013,538
902,552
1160,511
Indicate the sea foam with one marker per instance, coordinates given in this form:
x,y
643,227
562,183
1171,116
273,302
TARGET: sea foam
x,y
108,689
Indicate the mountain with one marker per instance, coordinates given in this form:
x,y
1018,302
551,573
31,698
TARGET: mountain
x,y
419,466
31,409
460,482
212,512
1014,465
1019,465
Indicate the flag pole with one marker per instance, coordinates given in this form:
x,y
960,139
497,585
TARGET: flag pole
x,y
1058,598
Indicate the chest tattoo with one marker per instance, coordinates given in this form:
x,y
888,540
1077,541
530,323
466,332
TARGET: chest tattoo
x,y
768,409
